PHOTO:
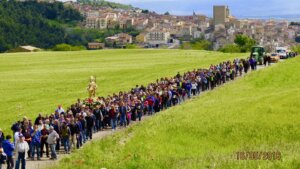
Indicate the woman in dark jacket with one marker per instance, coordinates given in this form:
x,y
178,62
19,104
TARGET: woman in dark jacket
x,y
2,138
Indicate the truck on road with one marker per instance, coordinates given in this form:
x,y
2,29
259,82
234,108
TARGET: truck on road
x,y
282,52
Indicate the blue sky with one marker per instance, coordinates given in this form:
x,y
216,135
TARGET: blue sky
x,y
238,8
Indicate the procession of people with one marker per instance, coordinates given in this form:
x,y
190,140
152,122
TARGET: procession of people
x,y
67,130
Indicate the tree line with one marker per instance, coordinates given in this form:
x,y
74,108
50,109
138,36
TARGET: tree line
x,y
103,3
32,23
46,25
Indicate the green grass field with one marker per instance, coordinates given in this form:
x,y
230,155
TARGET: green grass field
x,y
37,82
257,113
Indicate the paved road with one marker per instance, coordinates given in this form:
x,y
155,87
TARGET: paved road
x,y
45,162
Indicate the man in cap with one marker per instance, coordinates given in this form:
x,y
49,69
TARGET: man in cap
x,y
51,140
21,149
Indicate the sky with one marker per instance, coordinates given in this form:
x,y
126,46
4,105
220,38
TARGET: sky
x,y
238,8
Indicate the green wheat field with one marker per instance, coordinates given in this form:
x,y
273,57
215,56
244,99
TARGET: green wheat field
x,y
259,112
33,83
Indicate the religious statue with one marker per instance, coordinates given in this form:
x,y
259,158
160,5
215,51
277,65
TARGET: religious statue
x,y
92,87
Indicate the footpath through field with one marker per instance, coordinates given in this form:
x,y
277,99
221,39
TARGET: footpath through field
x,y
46,162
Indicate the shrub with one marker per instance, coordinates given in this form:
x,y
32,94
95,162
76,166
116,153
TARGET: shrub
x,y
67,47
197,45
231,48
296,48
132,46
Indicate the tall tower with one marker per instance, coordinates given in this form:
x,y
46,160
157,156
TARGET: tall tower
x,y
221,14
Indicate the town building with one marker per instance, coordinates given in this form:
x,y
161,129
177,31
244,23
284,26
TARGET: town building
x,y
119,40
95,45
157,37
221,15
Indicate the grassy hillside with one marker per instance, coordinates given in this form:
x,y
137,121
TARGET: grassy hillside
x,y
32,23
36,82
257,113
103,3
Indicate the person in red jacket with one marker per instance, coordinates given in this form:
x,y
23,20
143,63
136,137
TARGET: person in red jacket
x,y
113,118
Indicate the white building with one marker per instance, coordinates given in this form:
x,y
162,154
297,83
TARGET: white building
x,y
157,37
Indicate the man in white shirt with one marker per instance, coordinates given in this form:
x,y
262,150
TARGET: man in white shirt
x,y
59,109
16,136
22,149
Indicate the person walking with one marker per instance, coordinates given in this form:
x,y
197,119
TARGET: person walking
x,y
139,109
98,114
188,87
90,122
22,149
57,128
44,143
113,118
3,157
66,134
9,148
194,88
74,131
2,137
51,140
78,133
123,111
35,142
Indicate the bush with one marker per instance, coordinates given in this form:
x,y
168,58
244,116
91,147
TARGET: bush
x,y
231,48
186,45
67,47
197,45
132,46
296,48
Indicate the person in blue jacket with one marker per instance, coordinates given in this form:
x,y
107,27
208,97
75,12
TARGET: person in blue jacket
x,y
188,87
9,148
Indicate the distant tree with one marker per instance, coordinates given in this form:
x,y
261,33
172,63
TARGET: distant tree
x,y
145,11
167,13
295,23
244,42
31,23
297,39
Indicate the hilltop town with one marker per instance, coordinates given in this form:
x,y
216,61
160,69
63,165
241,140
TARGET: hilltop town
x,y
157,30
119,26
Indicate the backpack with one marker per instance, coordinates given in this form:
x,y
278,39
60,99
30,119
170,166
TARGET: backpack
x,y
65,132
15,127
3,158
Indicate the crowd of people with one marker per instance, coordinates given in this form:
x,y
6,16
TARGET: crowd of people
x,y
66,130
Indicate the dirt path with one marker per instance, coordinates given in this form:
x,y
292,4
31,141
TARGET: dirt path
x,y
46,162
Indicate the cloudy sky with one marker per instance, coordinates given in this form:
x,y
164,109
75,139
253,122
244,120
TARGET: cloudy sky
x,y
238,8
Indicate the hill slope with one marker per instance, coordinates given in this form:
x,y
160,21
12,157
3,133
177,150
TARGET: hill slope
x,y
33,23
257,113
103,3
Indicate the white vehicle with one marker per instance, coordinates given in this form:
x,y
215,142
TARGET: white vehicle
x,y
281,51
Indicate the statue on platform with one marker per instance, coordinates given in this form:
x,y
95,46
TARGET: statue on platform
x,y
92,87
